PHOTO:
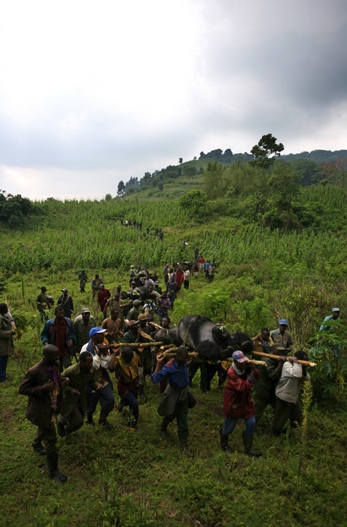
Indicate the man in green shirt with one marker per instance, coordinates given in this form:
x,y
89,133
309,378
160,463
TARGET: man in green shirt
x,y
74,402
82,324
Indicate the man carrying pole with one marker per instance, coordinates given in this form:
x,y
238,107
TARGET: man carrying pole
x,y
287,393
177,397
238,404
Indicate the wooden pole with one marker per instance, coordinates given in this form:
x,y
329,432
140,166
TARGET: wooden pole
x,y
136,344
303,362
170,353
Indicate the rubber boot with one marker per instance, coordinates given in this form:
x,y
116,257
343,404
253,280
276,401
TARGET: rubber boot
x,y
103,421
141,391
52,462
163,431
89,420
224,443
248,444
184,448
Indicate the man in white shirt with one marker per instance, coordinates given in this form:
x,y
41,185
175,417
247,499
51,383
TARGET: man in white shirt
x,y
287,393
103,362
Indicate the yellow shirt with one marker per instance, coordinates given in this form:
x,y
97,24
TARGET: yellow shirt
x,y
127,371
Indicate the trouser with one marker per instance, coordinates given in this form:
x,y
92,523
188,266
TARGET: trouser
x,y
260,405
3,366
147,361
129,399
181,415
285,411
104,396
65,362
73,418
193,368
230,423
48,435
211,370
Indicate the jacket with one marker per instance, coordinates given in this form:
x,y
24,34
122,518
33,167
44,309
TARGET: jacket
x,y
6,338
238,394
48,332
288,386
39,410
269,376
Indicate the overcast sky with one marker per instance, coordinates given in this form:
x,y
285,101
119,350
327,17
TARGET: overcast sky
x,y
94,92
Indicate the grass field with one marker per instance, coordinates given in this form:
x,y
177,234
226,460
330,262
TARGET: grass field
x,y
126,479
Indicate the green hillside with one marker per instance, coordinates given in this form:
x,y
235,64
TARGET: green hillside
x,y
175,180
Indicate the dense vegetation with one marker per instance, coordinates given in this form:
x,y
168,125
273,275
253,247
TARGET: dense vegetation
x,y
292,266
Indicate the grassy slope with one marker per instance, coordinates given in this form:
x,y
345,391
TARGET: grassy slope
x,y
141,479
134,479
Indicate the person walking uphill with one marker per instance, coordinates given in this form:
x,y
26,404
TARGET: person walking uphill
x,y
60,332
74,401
43,385
6,340
177,397
126,368
103,361
288,405
238,404
65,300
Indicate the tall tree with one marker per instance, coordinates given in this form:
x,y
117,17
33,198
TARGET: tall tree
x,y
284,190
262,151
121,188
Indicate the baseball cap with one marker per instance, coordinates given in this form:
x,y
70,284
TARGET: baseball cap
x,y
85,310
96,330
239,356
335,310
283,322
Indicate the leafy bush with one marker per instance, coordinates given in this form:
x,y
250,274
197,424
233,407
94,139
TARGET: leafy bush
x,y
330,353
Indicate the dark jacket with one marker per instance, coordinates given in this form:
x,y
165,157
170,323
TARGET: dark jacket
x,y
48,332
6,337
39,410
67,303
269,377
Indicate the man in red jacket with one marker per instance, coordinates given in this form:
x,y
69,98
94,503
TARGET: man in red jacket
x,y
103,296
238,404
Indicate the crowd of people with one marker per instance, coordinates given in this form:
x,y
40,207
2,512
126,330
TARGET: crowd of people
x,y
125,347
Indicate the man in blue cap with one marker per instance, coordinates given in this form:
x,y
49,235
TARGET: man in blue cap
x,y
281,336
103,362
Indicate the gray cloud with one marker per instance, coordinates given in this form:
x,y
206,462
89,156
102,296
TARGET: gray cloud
x,y
220,76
